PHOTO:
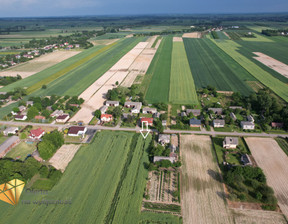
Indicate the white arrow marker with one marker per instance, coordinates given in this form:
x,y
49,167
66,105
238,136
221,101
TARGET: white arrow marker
x,y
147,130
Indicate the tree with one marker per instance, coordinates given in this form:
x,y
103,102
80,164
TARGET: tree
x,y
117,112
117,83
97,113
44,87
32,112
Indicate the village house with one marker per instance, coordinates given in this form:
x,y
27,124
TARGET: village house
x,y
77,131
56,113
39,117
106,117
233,116
156,115
20,117
147,110
29,103
10,130
146,120
136,106
194,122
246,125
183,114
6,146
195,112
103,109
250,118
245,159
22,108
217,123
36,134
235,107
112,103
62,118
217,111
164,123
277,125
230,142
163,139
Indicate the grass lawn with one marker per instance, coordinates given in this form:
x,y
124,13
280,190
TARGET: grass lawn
x,y
283,143
3,139
21,150
182,87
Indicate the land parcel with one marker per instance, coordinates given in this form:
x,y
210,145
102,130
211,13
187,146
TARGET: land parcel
x,y
104,183
182,88
211,66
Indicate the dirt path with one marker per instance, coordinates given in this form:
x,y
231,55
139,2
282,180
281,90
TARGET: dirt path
x,y
201,192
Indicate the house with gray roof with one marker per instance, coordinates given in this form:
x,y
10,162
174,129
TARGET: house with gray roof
x,y
247,125
218,123
217,111
10,130
164,139
245,159
110,103
148,110
103,109
195,112
230,142
194,122
233,116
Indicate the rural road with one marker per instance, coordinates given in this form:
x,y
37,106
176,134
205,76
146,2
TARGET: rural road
x,y
137,129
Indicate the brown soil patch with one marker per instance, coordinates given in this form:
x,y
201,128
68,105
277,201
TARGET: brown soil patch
x,y
192,35
63,156
271,158
177,39
272,63
38,64
202,195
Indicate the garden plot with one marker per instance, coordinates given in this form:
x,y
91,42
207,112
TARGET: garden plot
x,y
201,192
272,63
63,156
161,186
94,95
38,64
192,35
271,158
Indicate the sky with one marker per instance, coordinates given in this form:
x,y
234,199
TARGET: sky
x,y
35,8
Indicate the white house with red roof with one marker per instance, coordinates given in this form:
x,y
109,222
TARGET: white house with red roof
x,y
147,120
106,117
37,133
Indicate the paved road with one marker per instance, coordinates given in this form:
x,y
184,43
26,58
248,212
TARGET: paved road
x,y
137,129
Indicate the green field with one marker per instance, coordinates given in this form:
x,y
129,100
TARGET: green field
x,y
222,36
21,151
182,87
160,68
105,183
212,66
277,50
231,48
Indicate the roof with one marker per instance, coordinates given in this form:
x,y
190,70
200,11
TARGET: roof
x,y
149,109
216,110
132,104
194,121
106,115
147,119
39,117
22,107
75,129
277,125
231,140
235,107
164,137
218,121
245,159
112,102
8,143
103,108
247,123
193,111
19,116
36,132
183,114
11,129
62,117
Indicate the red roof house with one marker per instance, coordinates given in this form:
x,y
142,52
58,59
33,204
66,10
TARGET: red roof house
x,y
146,120
36,133
106,117
77,130
277,125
